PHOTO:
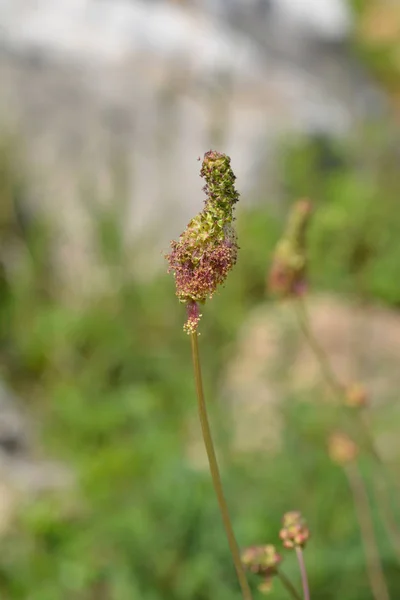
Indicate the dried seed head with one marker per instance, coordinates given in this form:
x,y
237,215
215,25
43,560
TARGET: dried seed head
x,y
341,448
294,530
207,250
287,276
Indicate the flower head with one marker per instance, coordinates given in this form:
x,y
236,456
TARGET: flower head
x,y
263,561
207,250
287,276
294,530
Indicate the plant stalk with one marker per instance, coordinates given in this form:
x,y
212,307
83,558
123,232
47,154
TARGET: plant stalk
x,y
361,502
214,470
388,518
288,585
303,572
325,366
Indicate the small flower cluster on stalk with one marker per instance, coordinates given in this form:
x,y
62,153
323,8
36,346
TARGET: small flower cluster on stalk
x,y
264,561
207,250
294,530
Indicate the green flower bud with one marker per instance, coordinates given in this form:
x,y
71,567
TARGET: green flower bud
x,y
287,276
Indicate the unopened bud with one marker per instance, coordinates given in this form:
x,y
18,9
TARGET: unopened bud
x,y
265,587
356,396
287,276
342,450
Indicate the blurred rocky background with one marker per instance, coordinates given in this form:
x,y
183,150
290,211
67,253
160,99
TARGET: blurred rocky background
x,y
144,86
105,106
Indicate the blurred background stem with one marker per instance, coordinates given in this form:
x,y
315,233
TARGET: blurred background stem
x,y
387,515
361,502
288,585
319,353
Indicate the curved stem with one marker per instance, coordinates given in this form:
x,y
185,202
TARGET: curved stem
x,y
215,475
288,585
331,378
361,502
303,572
326,368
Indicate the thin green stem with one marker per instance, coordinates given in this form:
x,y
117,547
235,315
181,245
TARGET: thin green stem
x,y
215,475
288,585
387,516
330,376
363,511
325,366
303,572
